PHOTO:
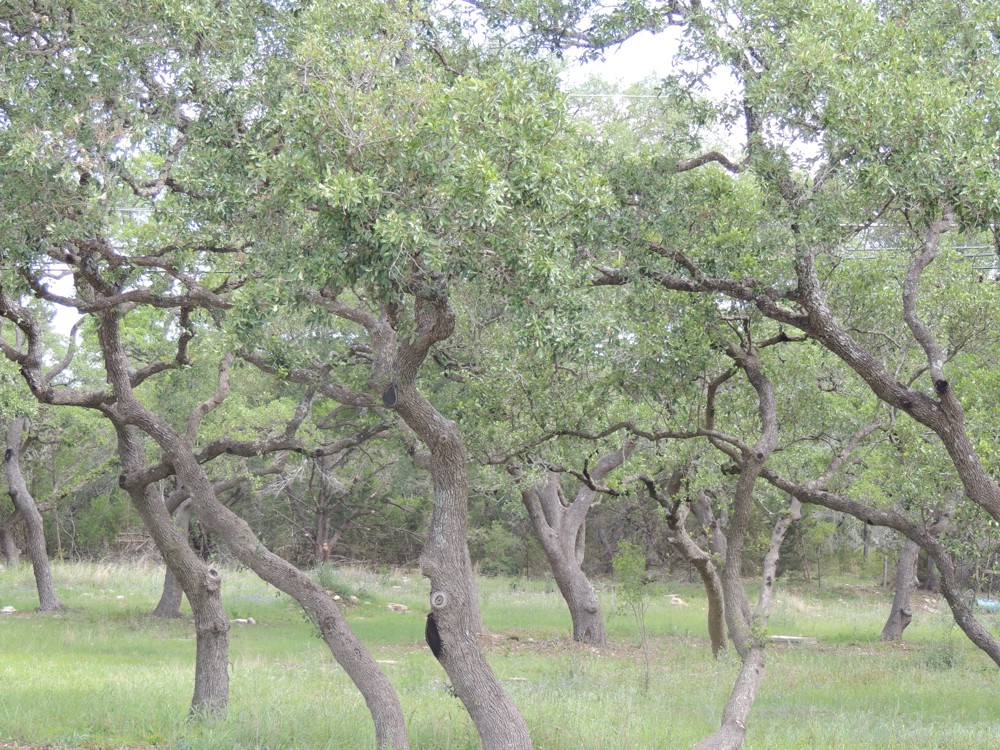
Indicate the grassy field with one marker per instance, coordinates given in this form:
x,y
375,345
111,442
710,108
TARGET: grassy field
x,y
104,675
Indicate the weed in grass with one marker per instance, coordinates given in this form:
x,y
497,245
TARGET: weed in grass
x,y
947,653
333,579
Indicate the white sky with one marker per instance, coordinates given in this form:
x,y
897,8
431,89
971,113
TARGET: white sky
x,y
639,57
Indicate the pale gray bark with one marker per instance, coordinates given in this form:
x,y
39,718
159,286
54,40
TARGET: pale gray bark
x,y
172,595
560,527
201,582
741,621
770,569
901,613
34,528
178,450
677,514
730,735
445,559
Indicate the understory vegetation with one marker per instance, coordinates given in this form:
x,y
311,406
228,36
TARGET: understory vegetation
x,y
102,674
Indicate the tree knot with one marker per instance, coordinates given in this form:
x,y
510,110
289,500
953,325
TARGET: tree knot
x,y
212,580
439,600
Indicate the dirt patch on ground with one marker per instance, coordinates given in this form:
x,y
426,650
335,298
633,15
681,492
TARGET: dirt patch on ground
x,y
924,601
521,642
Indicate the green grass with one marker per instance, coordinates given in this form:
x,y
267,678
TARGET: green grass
x,y
102,674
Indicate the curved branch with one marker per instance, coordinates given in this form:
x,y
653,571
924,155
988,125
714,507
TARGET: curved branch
x,y
205,407
711,156
921,332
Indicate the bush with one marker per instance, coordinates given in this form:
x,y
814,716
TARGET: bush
x,y
496,550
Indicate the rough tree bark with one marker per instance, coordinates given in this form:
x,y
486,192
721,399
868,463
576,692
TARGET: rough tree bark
x,y
703,563
34,528
200,582
560,528
172,595
446,562
125,411
350,653
445,559
900,615
739,618
677,514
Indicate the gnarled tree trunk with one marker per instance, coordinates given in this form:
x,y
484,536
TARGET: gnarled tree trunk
x,y
741,621
34,528
445,561
201,582
906,583
680,540
172,595
560,528
350,653
703,563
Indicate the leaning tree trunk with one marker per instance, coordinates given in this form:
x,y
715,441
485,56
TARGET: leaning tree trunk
x,y
703,563
201,582
560,528
350,653
8,544
906,583
730,735
445,561
172,595
455,621
743,624
34,528
677,515
347,649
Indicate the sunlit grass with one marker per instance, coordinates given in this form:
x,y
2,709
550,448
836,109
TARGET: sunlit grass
x,y
103,674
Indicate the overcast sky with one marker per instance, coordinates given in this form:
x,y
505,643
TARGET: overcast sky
x,y
641,56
